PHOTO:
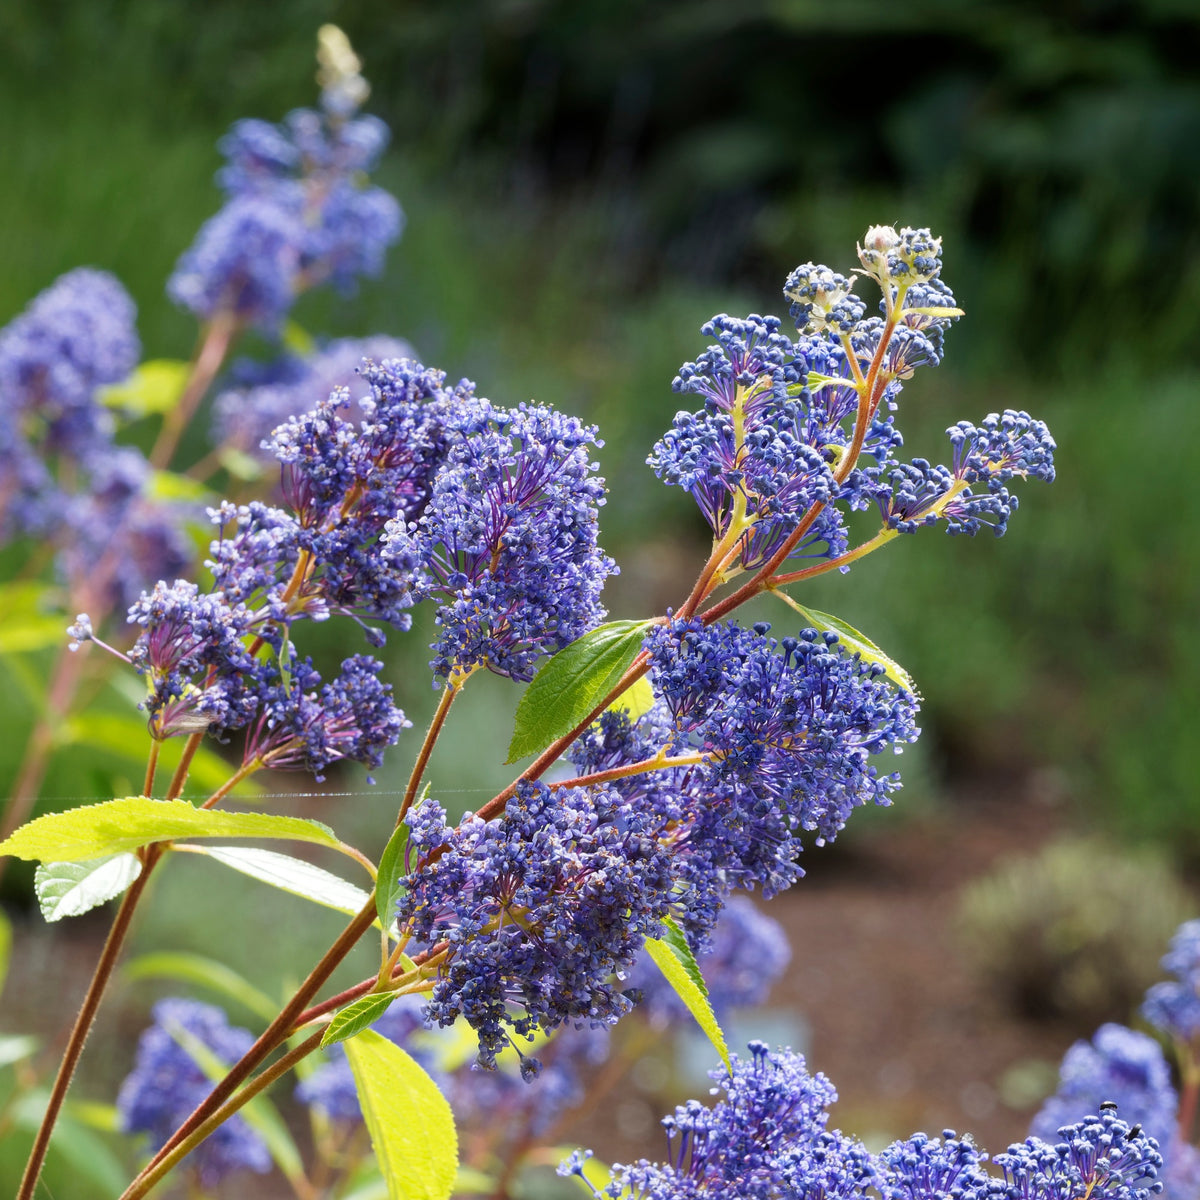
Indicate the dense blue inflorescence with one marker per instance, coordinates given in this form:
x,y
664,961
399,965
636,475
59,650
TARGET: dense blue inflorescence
x,y
62,477
1174,1005
167,1083
298,214
768,1139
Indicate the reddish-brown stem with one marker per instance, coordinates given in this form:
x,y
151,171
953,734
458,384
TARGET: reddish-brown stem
x,y
215,343
83,1025
151,768
166,1159
274,1034
431,736
1187,1106
548,757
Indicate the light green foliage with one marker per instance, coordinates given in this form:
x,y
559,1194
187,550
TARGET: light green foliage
x,y
154,388
674,958
410,1123
387,883
135,821
68,889
356,1017
571,684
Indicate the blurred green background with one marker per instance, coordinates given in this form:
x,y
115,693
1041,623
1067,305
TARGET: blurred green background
x,y
586,182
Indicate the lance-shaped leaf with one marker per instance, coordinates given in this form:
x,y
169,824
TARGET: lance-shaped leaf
x,y
86,1154
5,948
572,683
674,958
291,875
410,1123
134,821
387,882
355,1017
67,889
855,642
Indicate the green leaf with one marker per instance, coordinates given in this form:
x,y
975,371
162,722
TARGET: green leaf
x,y
356,1017
297,339
154,387
410,1123
33,632
572,683
207,972
387,882
67,889
636,700
855,642
239,464
135,821
87,1154
168,486
16,1046
5,947
472,1182
259,1113
291,875
935,310
674,958
104,1117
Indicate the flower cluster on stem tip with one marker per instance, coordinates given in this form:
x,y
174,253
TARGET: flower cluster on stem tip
x,y
297,211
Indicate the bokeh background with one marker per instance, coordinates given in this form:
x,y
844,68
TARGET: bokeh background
x,y
586,182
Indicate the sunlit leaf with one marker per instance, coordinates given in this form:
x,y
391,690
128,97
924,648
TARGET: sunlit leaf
x,y
68,889
674,958
134,821
154,387
16,1046
410,1123
572,682
391,868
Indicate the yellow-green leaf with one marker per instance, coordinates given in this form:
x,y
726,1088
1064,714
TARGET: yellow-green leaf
x,y
410,1123
855,642
134,821
674,958
154,387
636,700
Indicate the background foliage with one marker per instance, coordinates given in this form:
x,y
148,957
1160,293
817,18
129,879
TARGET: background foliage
x,y
586,182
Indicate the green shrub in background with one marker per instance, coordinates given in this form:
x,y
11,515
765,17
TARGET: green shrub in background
x,y
1073,931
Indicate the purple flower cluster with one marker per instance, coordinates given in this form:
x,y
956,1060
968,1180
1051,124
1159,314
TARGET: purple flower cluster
x,y
1123,1067
166,1084
62,477
506,544
1174,1005
772,1108
765,457
536,910
767,1140
298,214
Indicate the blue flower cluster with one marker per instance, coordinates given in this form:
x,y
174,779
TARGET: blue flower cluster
x,y
535,911
792,429
298,214
506,544
1123,1067
167,1083
62,477
767,1140
1174,1005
